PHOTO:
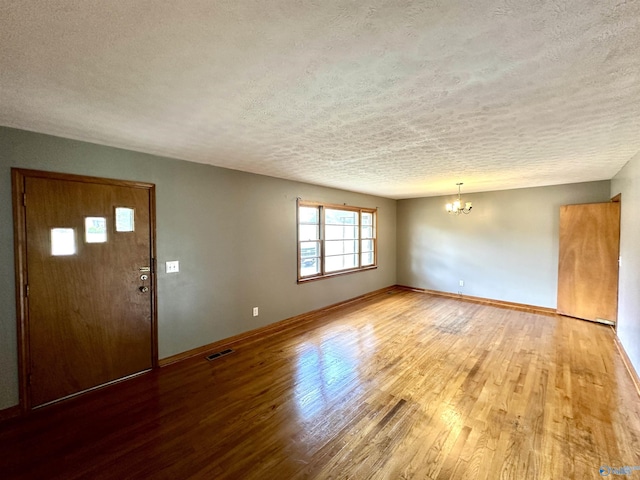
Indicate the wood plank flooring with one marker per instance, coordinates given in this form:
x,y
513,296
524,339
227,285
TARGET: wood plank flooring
x,y
401,386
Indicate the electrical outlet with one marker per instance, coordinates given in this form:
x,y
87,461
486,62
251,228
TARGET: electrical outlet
x,y
462,283
255,311
172,267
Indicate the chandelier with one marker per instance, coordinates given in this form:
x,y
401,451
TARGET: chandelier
x,y
456,207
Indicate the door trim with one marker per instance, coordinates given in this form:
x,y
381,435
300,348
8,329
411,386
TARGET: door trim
x,y
618,199
18,177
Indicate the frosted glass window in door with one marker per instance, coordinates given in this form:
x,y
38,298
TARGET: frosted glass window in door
x,y
124,219
63,242
95,229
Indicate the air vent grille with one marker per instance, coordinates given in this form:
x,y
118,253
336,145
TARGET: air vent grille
x,y
213,356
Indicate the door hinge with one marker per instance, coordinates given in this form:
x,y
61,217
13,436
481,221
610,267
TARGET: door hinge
x,y
29,379
24,199
26,290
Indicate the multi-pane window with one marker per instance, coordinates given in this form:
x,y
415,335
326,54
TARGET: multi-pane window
x,y
334,239
309,241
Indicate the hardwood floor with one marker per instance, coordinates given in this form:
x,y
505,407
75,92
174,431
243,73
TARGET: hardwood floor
x,y
404,385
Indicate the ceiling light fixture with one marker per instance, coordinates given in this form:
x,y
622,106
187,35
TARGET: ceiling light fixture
x,y
456,207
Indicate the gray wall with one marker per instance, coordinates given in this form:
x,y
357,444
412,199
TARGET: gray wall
x,y
233,233
627,182
506,249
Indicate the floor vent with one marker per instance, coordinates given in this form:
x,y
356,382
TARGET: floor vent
x,y
213,356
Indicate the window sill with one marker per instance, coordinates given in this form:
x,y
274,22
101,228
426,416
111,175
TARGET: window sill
x,y
336,274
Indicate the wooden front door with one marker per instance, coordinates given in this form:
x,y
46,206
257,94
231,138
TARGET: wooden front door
x,y
588,261
86,267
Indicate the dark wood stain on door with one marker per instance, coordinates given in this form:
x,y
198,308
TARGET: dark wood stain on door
x,y
86,320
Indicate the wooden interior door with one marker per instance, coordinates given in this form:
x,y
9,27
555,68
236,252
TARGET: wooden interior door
x,y
588,261
89,286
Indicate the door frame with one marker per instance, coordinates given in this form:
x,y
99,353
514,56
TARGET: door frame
x,y
618,199
18,177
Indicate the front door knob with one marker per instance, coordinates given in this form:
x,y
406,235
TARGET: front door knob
x,y
144,289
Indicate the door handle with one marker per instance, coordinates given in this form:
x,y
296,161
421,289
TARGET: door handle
x,y
144,289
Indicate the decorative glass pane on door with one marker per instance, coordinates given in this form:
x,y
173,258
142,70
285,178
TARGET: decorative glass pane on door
x,y
95,229
124,219
63,241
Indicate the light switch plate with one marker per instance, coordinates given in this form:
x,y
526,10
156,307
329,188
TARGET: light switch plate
x,y
172,267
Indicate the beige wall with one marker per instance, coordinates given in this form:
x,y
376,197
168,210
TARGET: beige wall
x,y
234,234
505,249
627,182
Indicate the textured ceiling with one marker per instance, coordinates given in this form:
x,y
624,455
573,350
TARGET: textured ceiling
x,y
395,98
